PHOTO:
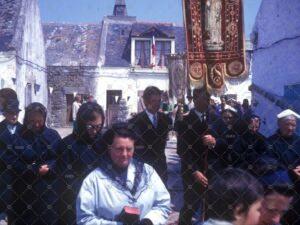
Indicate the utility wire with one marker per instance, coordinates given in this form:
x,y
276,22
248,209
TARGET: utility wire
x,y
40,68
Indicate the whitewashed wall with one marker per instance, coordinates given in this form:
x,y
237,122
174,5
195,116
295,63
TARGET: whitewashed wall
x,y
268,113
7,69
276,54
129,82
240,88
33,50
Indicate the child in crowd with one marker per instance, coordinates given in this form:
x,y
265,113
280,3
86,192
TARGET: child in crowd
x,y
234,198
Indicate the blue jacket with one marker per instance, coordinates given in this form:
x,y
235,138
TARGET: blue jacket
x,y
7,159
36,191
286,150
104,194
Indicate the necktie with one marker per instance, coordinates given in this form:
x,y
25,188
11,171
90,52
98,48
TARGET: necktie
x,y
203,117
154,121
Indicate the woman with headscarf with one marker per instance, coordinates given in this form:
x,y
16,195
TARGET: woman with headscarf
x,y
251,145
122,190
228,132
79,154
35,183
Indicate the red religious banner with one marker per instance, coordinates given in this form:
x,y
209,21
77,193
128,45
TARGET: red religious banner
x,y
215,41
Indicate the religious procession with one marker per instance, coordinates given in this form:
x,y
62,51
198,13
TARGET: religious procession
x,y
129,122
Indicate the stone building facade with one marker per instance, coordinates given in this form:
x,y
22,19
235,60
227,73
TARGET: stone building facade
x,y
117,58
276,80
72,58
22,52
99,59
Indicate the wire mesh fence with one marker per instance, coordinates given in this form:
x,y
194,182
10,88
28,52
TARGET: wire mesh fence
x,y
196,158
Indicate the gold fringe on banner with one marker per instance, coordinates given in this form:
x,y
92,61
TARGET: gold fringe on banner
x,y
215,42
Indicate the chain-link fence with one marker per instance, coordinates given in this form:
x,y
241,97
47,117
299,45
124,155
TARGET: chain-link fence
x,y
195,158
209,161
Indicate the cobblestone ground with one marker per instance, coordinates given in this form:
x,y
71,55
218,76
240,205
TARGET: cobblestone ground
x,y
174,181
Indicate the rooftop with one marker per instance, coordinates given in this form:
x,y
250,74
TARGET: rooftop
x,y
72,44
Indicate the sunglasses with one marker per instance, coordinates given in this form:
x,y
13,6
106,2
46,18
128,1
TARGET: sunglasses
x,y
94,127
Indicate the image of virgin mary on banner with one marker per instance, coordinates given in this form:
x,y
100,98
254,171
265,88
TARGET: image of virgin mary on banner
x,y
215,41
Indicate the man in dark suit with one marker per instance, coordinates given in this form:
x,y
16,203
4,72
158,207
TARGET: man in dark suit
x,y
151,128
195,145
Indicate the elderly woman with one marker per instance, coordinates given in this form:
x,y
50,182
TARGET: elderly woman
x,y
122,190
35,182
79,154
251,145
284,146
228,132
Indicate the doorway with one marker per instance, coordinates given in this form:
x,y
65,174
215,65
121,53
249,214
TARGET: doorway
x,y
113,98
70,100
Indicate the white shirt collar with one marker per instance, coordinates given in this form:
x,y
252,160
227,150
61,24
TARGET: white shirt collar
x,y
11,128
199,114
150,115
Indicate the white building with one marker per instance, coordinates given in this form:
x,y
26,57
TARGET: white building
x,y
112,60
22,52
276,60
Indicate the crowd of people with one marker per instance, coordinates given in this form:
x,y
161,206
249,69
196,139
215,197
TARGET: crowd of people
x,y
231,173
210,142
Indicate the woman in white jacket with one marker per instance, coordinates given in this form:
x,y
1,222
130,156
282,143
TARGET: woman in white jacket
x,y
122,184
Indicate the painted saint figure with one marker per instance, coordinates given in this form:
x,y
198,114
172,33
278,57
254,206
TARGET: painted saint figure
x,y
213,25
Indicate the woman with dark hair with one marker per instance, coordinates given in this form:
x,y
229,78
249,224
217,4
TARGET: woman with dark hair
x,y
79,154
251,145
228,133
122,190
35,184
278,196
234,198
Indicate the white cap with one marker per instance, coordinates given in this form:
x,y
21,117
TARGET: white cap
x,y
230,108
286,113
216,100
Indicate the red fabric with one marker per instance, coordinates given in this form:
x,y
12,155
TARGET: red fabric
x,y
132,210
153,47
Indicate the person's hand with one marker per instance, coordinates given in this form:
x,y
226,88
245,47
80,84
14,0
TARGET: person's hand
x,y
297,171
199,177
209,141
43,170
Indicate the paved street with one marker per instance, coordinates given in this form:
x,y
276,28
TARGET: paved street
x,y
174,181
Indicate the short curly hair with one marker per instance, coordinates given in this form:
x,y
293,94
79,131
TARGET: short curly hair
x,y
119,129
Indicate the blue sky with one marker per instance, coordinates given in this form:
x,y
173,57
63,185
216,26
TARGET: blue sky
x,y
92,11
